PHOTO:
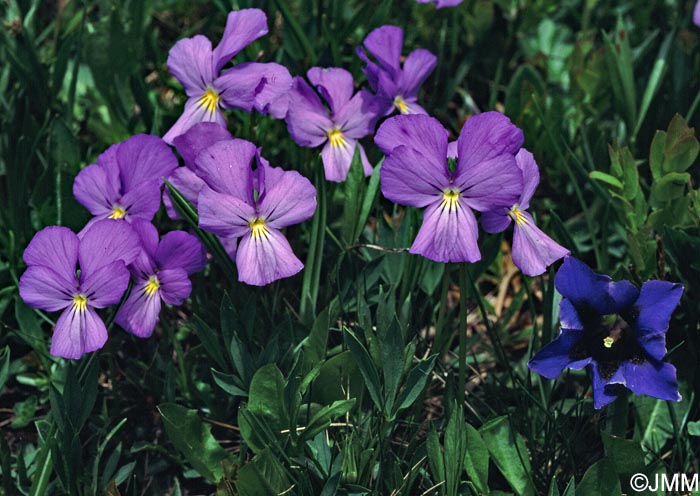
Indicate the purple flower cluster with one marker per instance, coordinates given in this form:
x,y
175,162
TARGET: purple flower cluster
x,y
91,270
616,329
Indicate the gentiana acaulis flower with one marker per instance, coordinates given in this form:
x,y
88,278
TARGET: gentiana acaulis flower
x,y
416,172
338,128
247,86
396,85
533,250
616,329
52,283
126,181
160,273
253,205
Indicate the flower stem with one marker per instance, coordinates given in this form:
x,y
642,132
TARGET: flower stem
x,y
461,331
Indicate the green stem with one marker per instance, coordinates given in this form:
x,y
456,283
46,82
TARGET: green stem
x,y
461,330
314,259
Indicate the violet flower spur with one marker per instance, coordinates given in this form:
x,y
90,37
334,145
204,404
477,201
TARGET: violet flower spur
x,y
439,4
51,282
395,85
253,205
350,118
416,173
616,329
246,86
125,182
533,250
160,272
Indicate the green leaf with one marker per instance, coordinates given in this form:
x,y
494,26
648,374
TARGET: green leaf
x,y
392,362
627,455
193,439
325,416
229,383
266,396
455,450
435,458
655,79
656,154
600,478
508,451
476,459
264,475
366,366
415,384
4,366
606,178
669,187
694,428
354,193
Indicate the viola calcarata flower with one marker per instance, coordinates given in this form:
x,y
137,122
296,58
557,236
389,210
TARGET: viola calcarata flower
x,y
253,205
126,180
160,273
395,84
52,283
417,173
533,250
247,86
348,118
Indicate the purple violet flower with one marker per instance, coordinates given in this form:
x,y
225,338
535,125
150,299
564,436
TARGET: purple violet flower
x,y
160,272
439,4
416,173
396,86
349,119
239,202
246,86
51,282
125,182
696,14
617,329
533,250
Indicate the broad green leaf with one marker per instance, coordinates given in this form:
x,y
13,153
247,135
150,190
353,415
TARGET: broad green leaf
x,y
193,439
600,478
694,428
264,475
266,396
435,458
229,383
669,187
656,154
509,453
627,455
476,459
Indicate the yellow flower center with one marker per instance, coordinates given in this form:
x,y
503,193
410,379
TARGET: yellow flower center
x,y
336,138
209,100
80,302
400,104
118,212
608,342
517,215
257,228
450,199
152,286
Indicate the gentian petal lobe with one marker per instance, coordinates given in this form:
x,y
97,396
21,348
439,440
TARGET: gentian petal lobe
x,y
554,357
656,379
656,302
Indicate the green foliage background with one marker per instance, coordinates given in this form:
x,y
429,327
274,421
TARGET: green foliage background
x,y
342,380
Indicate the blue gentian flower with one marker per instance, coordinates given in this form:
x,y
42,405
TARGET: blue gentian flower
x,y
617,329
